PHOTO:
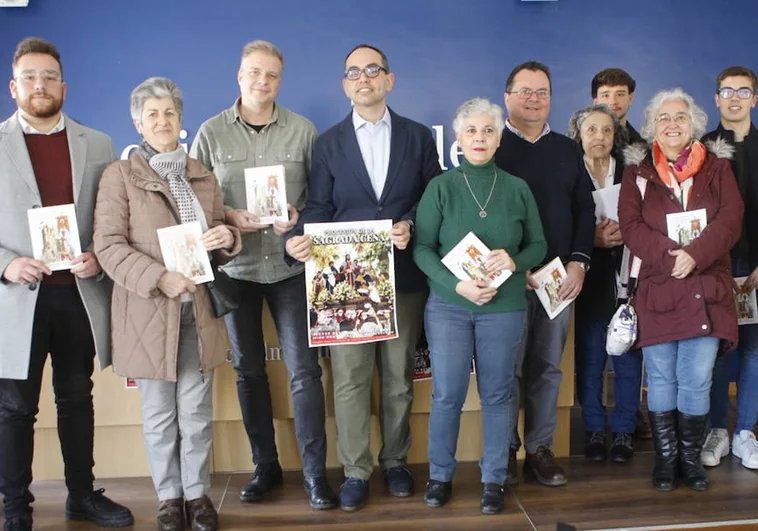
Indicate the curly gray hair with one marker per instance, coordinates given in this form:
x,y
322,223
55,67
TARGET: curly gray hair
x,y
155,87
620,134
698,117
477,106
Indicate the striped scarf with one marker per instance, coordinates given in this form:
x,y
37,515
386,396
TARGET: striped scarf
x,y
171,167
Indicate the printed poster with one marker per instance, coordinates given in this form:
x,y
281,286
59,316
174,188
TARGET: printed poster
x,y
266,193
468,261
350,283
747,308
683,227
55,235
549,280
184,252
422,364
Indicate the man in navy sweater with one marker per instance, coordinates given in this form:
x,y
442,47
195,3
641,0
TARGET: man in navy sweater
x,y
552,166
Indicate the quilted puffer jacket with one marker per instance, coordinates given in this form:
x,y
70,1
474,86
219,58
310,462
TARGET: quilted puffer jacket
x,y
145,323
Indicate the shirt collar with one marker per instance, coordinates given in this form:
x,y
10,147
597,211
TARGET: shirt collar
x,y
359,122
545,130
609,178
28,129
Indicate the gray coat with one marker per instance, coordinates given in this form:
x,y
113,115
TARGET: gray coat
x,y
91,152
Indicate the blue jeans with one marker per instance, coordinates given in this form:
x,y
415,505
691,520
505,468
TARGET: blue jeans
x,y
679,374
591,356
454,334
747,379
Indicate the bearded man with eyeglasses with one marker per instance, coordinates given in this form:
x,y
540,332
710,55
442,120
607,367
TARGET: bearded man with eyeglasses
x,y
552,166
375,164
735,99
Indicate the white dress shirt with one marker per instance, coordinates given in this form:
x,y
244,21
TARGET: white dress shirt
x,y
374,142
545,130
27,128
608,178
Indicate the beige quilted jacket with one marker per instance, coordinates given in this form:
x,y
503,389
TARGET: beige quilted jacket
x,y
145,323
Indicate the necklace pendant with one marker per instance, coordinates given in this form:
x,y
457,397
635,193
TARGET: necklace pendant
x,y
482,214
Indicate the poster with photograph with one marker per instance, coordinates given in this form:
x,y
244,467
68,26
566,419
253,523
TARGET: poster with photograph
x,y
55,235
684,227
184,253
747,308
468,261
350,283
266,193
422,364
549,280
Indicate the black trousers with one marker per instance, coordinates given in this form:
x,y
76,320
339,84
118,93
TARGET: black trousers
x,y
62,329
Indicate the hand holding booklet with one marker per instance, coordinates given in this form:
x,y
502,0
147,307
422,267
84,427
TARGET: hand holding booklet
x,y
549,280
468,261
607,203
184,252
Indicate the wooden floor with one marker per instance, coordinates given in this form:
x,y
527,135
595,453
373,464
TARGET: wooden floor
x,y
598,496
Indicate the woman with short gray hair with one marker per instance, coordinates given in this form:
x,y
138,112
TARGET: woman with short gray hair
x,y
165,332
680,213
601,139
465,316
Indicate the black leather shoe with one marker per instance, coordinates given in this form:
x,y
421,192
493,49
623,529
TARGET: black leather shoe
x,y
663,427
512,479
692,433
493,498
98,508
19,523
399,481
595,446
438,493
320,493
353,494
622,449
266,477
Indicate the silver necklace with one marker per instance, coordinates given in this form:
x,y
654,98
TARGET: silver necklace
x,y
482,209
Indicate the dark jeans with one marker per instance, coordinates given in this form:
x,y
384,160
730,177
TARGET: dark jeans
x,y
61,328
286,300
591,356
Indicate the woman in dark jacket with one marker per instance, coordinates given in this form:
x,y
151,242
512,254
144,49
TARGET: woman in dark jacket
x,y
601,137
684,303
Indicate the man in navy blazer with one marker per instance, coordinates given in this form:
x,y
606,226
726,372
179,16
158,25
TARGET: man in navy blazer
x,y
374,164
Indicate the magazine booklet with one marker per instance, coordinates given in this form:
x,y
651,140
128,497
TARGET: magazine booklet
x,y
549,280
266,193
468,261
607,203
184,252
350,283
745,301
55,235
683,227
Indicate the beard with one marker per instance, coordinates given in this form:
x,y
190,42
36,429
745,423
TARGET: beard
x,y
41,107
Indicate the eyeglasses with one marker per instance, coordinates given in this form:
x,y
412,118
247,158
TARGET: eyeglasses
x,y
354,73
527,93
743,93
29,77
679,118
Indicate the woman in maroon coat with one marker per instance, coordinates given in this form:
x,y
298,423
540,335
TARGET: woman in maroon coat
x,y
682,230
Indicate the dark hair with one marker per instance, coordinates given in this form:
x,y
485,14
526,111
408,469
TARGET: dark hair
x,y
385,61
533,66
613,77
36,45
736,71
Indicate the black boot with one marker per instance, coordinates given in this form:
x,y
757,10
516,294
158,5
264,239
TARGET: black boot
x,y
663,426
692,432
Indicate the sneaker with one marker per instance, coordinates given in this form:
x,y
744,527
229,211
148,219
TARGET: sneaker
x,y
716,446
399,481
18,523
622,449
595,446
745,447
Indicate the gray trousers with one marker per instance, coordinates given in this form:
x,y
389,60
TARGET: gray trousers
x,y
538,361
353,371
177,422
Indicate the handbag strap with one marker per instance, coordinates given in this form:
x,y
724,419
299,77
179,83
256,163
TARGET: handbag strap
x,y
171,208
630,286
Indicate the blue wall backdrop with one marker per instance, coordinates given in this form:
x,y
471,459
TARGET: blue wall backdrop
x,y
442,51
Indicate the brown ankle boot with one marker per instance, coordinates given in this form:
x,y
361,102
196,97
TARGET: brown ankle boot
x,y
171,515
201,515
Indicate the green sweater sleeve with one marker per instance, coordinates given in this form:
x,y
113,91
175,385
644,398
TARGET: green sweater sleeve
x,y
426,236
534,245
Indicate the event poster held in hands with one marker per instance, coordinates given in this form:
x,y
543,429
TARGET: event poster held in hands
x,y
350,283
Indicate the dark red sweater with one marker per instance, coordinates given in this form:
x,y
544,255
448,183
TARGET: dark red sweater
x,y
51,161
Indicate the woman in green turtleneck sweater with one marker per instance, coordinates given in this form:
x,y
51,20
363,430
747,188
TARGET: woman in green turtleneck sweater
x,y
465,317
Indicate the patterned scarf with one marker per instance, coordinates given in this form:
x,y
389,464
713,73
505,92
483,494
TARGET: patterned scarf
x,y
171,167
678,176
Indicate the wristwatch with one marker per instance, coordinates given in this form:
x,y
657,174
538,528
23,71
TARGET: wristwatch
x,y
584,265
